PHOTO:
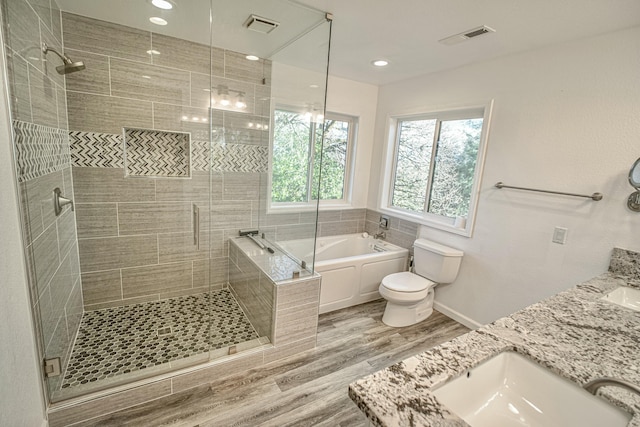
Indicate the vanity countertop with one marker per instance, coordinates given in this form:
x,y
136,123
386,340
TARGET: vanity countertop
x,y
574,333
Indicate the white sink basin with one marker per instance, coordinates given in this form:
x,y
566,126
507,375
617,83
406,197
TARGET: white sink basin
x,y
624,296
510,390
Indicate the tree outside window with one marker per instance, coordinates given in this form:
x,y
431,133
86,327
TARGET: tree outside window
x,y
300,146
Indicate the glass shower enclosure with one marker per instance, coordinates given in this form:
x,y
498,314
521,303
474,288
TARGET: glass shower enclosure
x,y
161,143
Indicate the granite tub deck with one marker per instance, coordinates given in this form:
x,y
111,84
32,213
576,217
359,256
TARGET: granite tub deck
x,y
574,334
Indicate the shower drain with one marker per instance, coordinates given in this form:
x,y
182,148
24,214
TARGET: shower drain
x,y
165,332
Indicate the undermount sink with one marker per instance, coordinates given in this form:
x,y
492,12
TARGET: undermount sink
x,y
624,296
511,390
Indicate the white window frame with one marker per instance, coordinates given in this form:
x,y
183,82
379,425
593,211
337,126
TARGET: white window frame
x,y
425,218
311,204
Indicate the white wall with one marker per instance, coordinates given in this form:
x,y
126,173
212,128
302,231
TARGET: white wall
x,y
21,398
290,86
565,118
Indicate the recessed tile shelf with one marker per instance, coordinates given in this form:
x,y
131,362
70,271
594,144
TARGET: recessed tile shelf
x,y
155,153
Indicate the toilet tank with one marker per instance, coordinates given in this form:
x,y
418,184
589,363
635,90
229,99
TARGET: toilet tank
x,y
436,262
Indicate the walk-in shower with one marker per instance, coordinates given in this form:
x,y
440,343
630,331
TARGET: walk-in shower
x,y
162,143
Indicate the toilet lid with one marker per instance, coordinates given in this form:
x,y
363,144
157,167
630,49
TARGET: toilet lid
x,y
406,282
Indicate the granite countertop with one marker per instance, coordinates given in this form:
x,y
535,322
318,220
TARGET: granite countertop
x,y
574,334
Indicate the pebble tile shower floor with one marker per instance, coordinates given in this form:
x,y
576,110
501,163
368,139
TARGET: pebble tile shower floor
x,y
119,340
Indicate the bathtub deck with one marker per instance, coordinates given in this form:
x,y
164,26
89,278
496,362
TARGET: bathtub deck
x,y
307,389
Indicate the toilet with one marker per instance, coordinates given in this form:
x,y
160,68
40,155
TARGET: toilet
x,y
410,295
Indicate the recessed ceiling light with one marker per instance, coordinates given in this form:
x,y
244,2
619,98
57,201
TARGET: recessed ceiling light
x,y
162,4
252,58
153,52
157,21
314,86
380,63
146,77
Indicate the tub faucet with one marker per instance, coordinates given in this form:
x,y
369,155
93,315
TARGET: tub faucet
x,y
593,386
380,235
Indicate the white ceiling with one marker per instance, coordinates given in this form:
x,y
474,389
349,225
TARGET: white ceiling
x,y
405,32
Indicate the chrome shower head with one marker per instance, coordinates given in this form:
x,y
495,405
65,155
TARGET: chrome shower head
x,y
68,65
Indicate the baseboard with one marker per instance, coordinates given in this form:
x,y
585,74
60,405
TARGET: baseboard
x,y
458,317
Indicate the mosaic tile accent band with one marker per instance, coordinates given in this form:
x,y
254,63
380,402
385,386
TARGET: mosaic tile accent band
x,y
99,150
90,149
239,158
120,340
157,153
40,150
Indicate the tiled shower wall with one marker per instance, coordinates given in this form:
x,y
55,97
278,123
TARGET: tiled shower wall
x,y
135,233
38,109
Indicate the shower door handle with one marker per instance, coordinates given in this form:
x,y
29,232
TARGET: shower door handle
x,y
196,226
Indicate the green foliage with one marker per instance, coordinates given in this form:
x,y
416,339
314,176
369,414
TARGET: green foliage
x,y
294,135
453,169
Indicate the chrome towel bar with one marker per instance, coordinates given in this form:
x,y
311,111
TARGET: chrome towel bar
x,y
595,196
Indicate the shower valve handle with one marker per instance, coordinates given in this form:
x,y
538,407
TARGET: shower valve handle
x,y
59,201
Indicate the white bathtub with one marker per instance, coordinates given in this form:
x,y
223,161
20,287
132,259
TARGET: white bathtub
x,y
351,266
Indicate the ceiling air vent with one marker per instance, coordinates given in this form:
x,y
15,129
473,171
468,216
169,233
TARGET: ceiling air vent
x,y
261,25
466,35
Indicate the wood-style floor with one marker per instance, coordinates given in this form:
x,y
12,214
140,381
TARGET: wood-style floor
x,y
308,389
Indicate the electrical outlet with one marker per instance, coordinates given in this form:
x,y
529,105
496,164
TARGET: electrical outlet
x,y
560,235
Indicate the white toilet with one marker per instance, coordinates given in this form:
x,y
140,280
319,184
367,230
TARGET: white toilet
x,y
410,295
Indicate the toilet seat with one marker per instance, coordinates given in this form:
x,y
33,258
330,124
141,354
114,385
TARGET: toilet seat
x,y
406,282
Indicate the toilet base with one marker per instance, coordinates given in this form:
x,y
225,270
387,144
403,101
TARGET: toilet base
x,y
399,315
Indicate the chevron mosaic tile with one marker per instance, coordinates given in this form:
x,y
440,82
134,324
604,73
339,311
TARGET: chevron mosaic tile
x,y
40,150
157,153
239,158
90,149
100,150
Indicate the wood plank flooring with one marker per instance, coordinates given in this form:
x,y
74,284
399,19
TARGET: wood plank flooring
x,y
308,389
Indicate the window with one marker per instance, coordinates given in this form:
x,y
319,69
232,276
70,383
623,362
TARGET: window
x,y
434,163
297,151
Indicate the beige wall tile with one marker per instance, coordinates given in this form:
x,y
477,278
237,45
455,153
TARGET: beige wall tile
x,y
295,324
45,256
337,228
235,214
105,38
18,79
50,60
236,66
297,294
63,118
179,53
242,128
146,218
101,287
66,231
175,247
97,113
353,214
23,34
97,220
299,231
36,197
155,279
43,10
241,186
95,78
161,84
110,253
44,98
170,117
111,403
214,271
195,188
102,185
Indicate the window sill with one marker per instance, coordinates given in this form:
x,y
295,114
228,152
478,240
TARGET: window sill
x,y
308,207
444,224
